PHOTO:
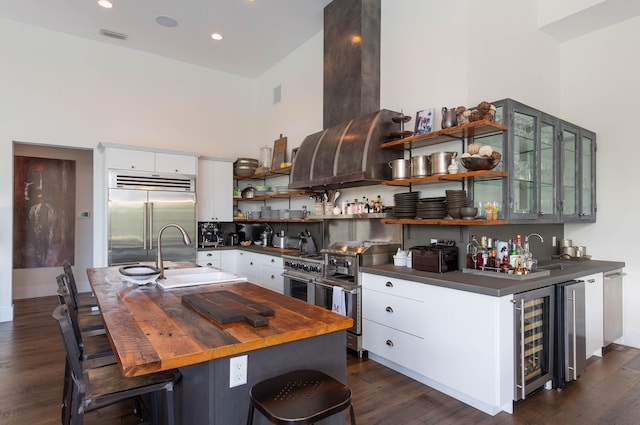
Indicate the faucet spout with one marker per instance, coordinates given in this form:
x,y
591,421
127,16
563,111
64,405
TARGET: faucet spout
x,y
185,238
536,234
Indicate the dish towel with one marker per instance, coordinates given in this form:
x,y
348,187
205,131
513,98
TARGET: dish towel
x,y
339,301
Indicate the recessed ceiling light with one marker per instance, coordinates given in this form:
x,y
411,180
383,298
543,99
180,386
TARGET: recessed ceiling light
x,y
105,3
216,36
166,21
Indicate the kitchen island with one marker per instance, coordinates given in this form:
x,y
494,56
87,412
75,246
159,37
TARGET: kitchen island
x,y
151,329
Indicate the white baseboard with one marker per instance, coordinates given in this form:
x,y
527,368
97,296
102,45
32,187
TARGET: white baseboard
x,y
6,314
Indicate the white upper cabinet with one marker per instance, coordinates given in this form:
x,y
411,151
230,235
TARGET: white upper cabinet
x,y
214,190
145,160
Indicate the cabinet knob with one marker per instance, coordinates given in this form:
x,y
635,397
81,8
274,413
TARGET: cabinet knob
x,y
272,277
251,263
389,285
389,343
389,309
133,166
591,280
273,261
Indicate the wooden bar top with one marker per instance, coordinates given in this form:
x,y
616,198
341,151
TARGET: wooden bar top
x,y
150,329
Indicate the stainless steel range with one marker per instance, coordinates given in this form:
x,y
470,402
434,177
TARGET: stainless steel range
x,y
340,289
333,279
300,273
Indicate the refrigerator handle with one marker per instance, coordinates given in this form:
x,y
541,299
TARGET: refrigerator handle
x,y
150,225
144,225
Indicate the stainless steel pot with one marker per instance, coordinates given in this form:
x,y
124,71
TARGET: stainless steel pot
x,y
248,192
420,166
400,169
279,241
440,162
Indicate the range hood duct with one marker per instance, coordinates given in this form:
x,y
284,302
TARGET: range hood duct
x,y
348,153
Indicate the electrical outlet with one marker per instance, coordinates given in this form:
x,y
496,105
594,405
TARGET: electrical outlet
x,y
553,241
237,371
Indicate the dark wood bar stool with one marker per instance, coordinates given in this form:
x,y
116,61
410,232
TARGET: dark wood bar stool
x,y
299,397
96,388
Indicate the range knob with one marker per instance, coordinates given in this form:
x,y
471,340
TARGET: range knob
x,y
347,263
332,261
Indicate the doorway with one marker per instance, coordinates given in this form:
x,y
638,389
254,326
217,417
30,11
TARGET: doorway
x,y
32,282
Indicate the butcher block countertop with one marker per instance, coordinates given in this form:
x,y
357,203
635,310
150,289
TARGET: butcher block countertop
x,y
151,329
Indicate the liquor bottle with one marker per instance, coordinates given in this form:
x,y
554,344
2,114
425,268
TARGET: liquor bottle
x,y
505,267
493,259
515,252
484,250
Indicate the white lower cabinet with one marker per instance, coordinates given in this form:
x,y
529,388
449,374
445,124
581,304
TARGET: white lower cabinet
x,y
208,259
458,342
261,269
594,313
229,260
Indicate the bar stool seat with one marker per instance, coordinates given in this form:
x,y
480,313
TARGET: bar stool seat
x,y
299,397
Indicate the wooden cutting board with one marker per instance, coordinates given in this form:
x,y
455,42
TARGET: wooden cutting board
x,y
227,307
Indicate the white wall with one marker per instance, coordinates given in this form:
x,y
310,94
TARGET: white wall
x,y
65,91
600,91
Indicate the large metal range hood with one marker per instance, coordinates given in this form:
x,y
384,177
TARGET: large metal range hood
x,y
347,154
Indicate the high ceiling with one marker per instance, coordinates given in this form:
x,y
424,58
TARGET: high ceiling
x,y
257,34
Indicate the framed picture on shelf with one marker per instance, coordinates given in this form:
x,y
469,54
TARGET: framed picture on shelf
x,y
279,153
424,121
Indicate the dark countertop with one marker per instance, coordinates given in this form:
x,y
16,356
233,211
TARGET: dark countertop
x,y
496,286
269,250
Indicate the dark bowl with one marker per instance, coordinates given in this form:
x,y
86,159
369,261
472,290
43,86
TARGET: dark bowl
x,y
479,163
468,212
454,212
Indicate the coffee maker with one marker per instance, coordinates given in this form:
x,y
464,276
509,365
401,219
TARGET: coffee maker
x,y
209,234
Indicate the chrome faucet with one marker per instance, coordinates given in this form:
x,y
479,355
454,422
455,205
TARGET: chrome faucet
x,y
185,238
526,239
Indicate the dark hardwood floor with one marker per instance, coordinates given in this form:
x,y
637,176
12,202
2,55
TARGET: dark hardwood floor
x,y
608,392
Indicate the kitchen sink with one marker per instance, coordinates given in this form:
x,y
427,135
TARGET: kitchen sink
x,y
176,278
554,266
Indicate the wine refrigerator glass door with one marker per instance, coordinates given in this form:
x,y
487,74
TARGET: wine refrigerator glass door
x,y
534,327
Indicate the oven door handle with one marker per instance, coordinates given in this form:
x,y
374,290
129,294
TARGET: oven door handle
x,y
348,290
298,277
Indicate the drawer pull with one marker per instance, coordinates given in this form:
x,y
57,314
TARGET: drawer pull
x,y
209,264
389,343
209,255
389,309
591,280
389,285
273,261
272,277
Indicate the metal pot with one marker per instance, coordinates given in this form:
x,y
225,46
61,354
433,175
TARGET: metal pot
x,y
233,239
440,162
449,118
420,166
248,192
400,169
279,241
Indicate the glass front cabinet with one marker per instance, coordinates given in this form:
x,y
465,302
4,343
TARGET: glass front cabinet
x,y
578,177
551,167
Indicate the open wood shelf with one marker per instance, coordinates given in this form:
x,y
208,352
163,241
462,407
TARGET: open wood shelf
x,y
272,173
276,196
478,175
274,220
445,222
476,128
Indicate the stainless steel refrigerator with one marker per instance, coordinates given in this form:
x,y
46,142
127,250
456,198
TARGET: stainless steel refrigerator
x,y
139,205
